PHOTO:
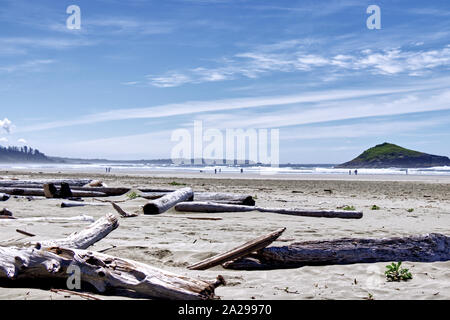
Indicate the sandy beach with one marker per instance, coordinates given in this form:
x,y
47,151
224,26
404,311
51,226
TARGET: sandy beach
x,y
170,242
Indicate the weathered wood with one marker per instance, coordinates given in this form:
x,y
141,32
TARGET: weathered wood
x,y
212,207
425,248
40,182
168,201
101,271
122,212
81,204
4,196
218,197
222,197
192,218
39,192
25,233
239,252
50,260
109,191
6,212
85,238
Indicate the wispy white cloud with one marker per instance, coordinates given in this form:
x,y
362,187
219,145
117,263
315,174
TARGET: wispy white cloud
x,y
22,141
27,66
193,107
290,56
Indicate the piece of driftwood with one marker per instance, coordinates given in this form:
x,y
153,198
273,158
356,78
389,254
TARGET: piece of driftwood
x,y
122,213
424,248
25,233
103,272
39,192
81,204
85,238
50,261
4,196
212,207
6,212
193,218
40,183
239,252
218,197
168,201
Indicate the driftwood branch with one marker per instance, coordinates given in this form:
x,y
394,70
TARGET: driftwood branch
x,y
239,252
426,248
211,207
39,183
122,213
39,192
4,196
168,201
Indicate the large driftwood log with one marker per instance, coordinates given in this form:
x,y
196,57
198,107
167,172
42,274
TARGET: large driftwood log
x,y
424,248
211,207
103,272
40,183
227,198
48,261
218,197
88,236
168,201
39,192
241,251
4,196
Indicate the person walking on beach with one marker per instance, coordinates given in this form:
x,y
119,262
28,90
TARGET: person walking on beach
x,y
356,172
350,172
242,170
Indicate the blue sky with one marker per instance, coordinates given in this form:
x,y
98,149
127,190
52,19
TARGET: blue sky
x,y
137,70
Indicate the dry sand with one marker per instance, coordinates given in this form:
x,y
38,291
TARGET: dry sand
x,y
173,243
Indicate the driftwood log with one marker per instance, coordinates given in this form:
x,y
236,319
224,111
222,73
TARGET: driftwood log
x,y
39,192
211,207
218,197
425,248
4,196
241,251
40,183
49,262
81,204
168,201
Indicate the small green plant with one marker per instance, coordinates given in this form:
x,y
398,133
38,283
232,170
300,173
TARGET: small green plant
x,y
174,183
410,210
395,273
375,207
349,208
132,195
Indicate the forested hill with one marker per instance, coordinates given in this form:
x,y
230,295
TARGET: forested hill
x,y
22,154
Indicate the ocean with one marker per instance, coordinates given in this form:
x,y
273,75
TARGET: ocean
x,y
282,170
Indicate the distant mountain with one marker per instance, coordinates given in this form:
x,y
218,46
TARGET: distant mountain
x,y
390,155
21,155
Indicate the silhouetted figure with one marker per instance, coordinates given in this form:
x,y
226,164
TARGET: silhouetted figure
x,y
356,172
215,171
242,170
350,172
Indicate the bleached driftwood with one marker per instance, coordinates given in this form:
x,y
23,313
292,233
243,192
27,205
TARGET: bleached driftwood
x,y
4,196
218,197
227,198
85,238
241,251
49,261
122,212
103,272
168,201
6,212
425,248
84,218
212,207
